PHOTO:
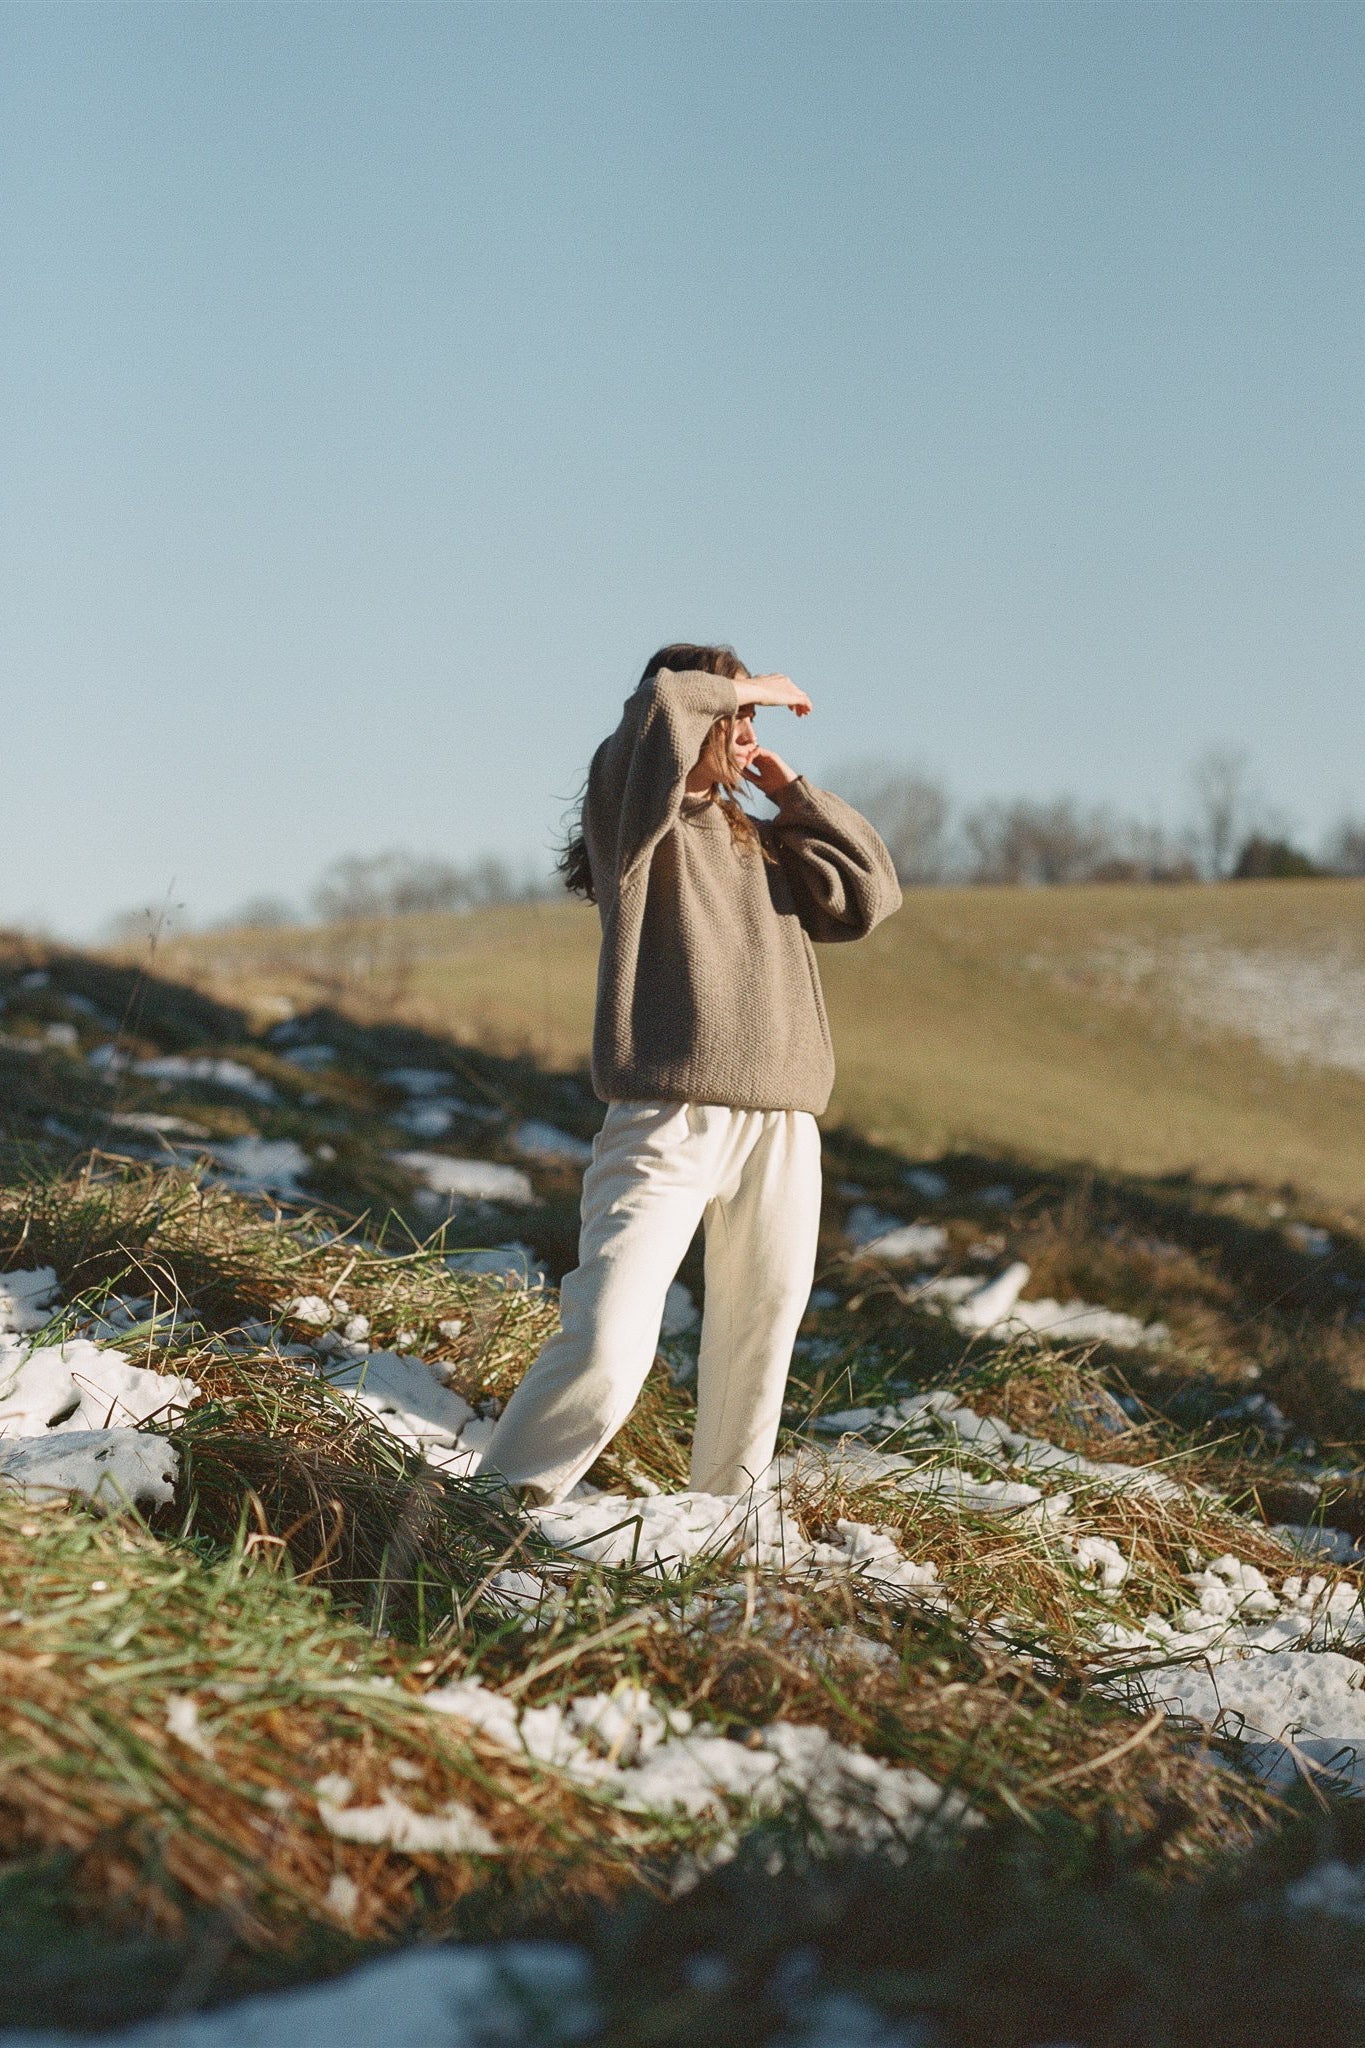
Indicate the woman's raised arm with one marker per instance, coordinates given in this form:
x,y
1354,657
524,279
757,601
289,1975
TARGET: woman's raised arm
x,y
636,782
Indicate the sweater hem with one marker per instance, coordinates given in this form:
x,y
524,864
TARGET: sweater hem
x,y
644,1088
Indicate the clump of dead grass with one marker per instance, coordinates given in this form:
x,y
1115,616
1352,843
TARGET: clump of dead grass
x,y
111,1638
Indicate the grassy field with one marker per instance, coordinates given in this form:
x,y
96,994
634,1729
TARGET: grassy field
x,y
1100,1025
224,1761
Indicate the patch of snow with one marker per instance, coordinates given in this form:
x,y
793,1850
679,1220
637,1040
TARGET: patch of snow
x,y
432,1116
418,1080
80,1386
652,1760
261,1166
311,1309
467,1180
1310,1702
182,1721
536,1140
117,1467
1334,1889
850,1463
1099,1558
998,1196
311,1056
1261,1412
1314,1540
995,1307
877,1235
457,1996
874,1558
514,1262
680,1310
342,1896
1308,1238
27,1299
425,1119
926,1419
1296,1006
455,1831
666,1531
201,1069
409,1403
923,1179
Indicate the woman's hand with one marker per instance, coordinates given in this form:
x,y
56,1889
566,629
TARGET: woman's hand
x,y
778,690
770,772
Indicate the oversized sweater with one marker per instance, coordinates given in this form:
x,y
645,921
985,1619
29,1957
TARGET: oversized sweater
x,y
707,987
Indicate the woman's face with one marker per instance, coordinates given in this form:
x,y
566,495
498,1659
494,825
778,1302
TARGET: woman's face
x,y
710,767
745,741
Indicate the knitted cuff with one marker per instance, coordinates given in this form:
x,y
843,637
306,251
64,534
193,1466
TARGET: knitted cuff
x,y
797,796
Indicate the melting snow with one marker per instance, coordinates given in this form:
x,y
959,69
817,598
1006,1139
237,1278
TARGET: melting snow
x,y
261,1166
985,1439
233,1075
652,1760
513,1262
454,1831
307,1056
1310,1702
878,1235
407,1400
79,1386
661,1532
26,1299
423,1997
156,1124
1296,1006
544,1141
1334,1889
995,1307
115,1466
68,1415
680,1310
467,1180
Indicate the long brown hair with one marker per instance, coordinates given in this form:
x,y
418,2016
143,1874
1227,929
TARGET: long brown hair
x,y
718,754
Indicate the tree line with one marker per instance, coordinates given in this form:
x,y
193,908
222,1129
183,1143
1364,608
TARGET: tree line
x,y
1230,833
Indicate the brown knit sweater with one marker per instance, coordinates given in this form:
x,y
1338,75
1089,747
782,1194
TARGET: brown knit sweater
x,y
707,988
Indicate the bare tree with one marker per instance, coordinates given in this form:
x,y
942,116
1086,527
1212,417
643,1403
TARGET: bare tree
x,y
367,887
1039,843
1225,808
910,810
262,913
1344,853
389,884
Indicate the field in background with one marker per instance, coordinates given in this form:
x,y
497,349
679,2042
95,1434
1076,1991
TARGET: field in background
x,y
1214,1030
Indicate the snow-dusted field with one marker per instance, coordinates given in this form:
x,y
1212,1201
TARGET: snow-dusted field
x,y
991,1572
1297,1005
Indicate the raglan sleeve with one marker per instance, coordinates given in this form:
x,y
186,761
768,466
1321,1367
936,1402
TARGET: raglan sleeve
x,y
841,875
636,784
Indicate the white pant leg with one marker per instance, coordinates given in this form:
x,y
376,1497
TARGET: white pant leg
x,y
655,1166
761,1233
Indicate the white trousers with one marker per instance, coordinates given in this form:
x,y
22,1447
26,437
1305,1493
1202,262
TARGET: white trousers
x,y
658,1169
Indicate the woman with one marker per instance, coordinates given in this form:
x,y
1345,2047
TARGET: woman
x,y
712,1050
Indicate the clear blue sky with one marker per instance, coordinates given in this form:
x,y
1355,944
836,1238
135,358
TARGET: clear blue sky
x,y
381,384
